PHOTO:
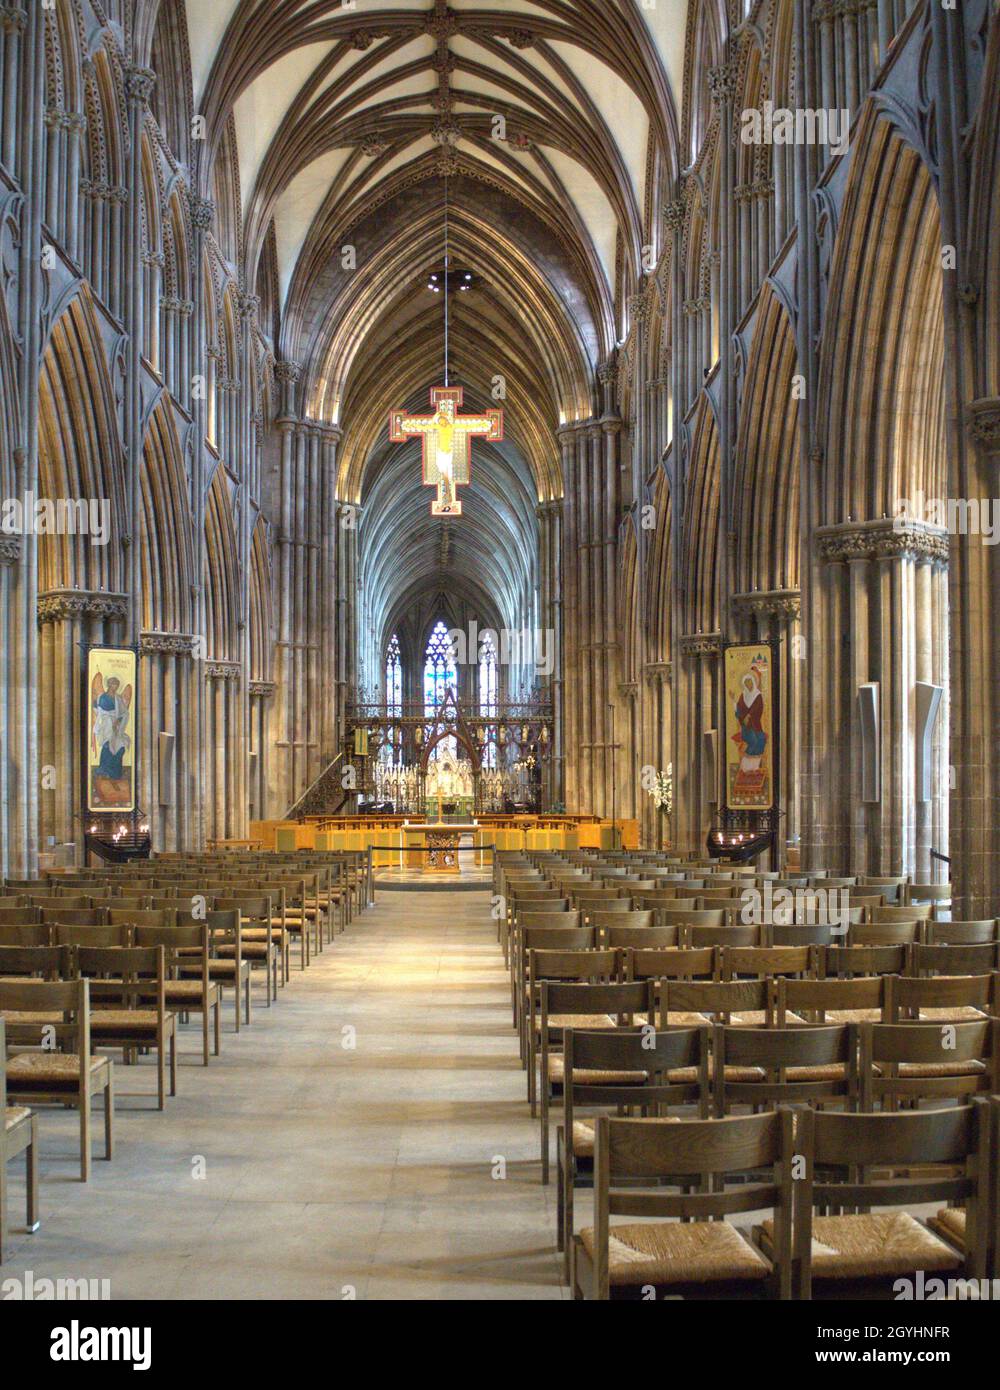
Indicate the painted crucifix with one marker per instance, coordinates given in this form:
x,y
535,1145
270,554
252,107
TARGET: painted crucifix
x,y
446,436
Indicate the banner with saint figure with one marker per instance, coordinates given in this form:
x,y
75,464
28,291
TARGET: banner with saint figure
x,y
110,725
749,723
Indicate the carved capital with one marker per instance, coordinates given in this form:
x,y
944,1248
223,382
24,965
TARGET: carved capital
x,y
222,670
774,603
166,643
139,83
264,689
202,211
442,22
10,550
984,424
521,38
58,605
882,540
722,82
446,133
674,214
288,371
701,644
13,19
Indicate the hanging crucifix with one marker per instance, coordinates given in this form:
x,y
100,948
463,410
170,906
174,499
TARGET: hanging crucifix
x,y
445,436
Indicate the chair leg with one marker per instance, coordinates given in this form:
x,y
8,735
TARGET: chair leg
x,y
204,1032
218,1024
173,1061
31,1177
237,991
109,1117
3,1199
161,1076
84,1107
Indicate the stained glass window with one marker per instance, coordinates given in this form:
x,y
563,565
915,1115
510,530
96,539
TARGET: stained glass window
x,y
439,677
393,747
488,690
439,668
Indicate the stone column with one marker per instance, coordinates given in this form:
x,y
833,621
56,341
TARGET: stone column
x,y
975,671
138,88
201,211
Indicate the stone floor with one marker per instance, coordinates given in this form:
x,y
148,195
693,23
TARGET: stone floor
x,y
329,1171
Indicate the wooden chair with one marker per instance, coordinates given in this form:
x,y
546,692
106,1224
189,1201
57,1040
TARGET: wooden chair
x,y
913,912
892,886
627,1068
188,988
884,933
700,1254
888,1160
762,962
608,921
541,938
41,962
742,1003
134,972
932,894
846,961
789,1066
18,1134
623,938
695,935
586,1005
691,917
13,917
70,1076
226,966
942,998
259,946
671,963
961,933
907,1062
75,916
862,999
802,934
564,964
67,902
978,959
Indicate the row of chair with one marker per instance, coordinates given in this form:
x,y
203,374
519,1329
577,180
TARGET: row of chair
x,y
670,1029
89,964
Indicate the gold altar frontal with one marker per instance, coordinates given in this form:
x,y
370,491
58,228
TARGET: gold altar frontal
x,y
434,847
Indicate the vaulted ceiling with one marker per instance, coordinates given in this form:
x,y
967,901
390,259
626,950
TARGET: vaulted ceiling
x,y
530,139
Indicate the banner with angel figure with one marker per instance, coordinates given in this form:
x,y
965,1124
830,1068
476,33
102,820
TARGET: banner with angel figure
x,y
111,683
750,742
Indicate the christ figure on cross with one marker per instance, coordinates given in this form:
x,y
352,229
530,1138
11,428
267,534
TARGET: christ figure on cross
x,y
445,436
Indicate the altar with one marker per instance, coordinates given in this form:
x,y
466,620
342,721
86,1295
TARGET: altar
x,y
434,847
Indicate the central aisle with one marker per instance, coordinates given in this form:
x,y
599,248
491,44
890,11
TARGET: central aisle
x,y
327,1169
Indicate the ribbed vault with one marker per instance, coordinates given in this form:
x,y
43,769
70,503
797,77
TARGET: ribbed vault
x,y
530,141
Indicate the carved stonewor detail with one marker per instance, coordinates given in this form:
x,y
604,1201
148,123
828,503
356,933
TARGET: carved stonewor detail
x,y
167,643
58,605
882,540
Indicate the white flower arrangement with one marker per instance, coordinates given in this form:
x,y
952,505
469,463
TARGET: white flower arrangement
x,y
662,790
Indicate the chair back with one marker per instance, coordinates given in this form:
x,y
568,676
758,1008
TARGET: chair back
x,y
644,937
670,963
93,936
43,961
853,1160
813,999
719,998
30,934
